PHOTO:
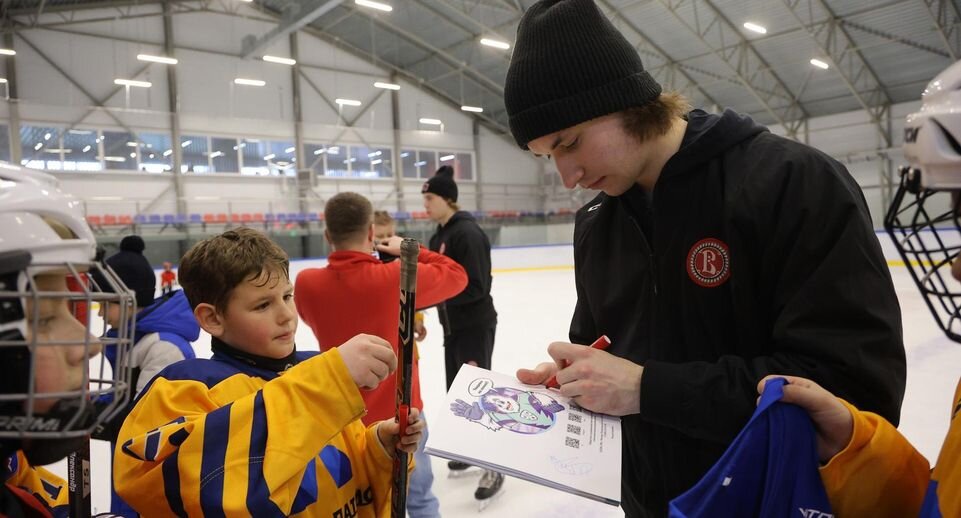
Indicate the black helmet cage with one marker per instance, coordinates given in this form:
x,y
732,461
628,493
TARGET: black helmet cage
x,y
928,241
104,390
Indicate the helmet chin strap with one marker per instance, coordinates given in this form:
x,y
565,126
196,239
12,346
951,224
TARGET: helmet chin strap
x,y
40,450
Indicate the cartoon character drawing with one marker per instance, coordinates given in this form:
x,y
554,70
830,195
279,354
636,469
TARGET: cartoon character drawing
x,y
520,411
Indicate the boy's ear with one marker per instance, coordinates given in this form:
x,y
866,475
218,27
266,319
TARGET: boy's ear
x,y
370,233
327,237
209,318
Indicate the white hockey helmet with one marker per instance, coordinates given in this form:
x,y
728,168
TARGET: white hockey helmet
x,y
932,135
42,233
29,200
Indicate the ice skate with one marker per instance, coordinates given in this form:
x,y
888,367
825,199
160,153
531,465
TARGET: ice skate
x,y
458,469
488,489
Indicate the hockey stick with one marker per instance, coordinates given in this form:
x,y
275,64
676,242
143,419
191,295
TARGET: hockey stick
x,y
78,481
78,462
409,249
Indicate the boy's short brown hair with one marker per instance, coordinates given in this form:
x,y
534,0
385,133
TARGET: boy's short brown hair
x,y
654,118
348,216
212,268
382,217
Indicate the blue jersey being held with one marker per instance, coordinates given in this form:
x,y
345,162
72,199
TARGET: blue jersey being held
x,y
771,469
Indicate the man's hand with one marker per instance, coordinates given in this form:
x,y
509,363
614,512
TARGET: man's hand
x,y
832,420
391,245
370,359
595,379
420,330
388,431
538,375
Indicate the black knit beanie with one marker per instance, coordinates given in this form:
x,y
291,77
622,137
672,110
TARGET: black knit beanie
x,y
442,184
133,269
570,65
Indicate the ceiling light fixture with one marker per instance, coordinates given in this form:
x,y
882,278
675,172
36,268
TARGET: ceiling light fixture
x,y
131,82
497,44
157,59
374,5
249,82
760,29
282,61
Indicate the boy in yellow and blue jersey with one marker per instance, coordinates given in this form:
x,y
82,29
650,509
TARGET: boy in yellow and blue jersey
x,y
259,429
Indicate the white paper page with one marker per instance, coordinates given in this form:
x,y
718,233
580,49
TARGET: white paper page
x,y
527,429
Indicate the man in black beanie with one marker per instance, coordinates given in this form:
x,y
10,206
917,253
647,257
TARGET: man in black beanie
x,y
469,319
134,269
716,253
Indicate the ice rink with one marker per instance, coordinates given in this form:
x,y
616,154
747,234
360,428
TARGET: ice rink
x,y
534,295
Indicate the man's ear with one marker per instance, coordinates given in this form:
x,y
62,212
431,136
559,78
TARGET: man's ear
x,y
370,233
210,319
327,237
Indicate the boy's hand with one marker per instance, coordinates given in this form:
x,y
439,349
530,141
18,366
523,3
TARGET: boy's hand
x,y
387,432
391,245
369,359
832,420
420,330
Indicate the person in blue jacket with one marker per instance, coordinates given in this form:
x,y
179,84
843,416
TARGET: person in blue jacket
x,y
163,331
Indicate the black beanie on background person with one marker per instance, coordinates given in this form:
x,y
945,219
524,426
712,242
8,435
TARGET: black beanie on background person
x,y
133,244
442,184
570,65
133,269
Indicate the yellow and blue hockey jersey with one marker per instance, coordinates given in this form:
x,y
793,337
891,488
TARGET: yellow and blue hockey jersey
x,y
38,488
221,437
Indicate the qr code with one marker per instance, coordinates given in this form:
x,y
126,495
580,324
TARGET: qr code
x,y
573,428
572,442
574,417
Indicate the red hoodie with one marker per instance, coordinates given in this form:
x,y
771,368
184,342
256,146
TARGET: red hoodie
x,y
356,293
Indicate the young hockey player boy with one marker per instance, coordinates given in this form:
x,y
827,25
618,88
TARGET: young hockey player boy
x,y
260,428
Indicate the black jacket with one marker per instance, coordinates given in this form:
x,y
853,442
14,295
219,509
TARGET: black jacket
x,y
804,290
462,240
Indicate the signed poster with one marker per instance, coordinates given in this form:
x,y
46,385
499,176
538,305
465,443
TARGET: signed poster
x,y
493,421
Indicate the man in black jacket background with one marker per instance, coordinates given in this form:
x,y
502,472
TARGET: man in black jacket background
x,y
469,319
715,254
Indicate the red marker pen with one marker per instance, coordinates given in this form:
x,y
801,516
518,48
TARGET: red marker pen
x,y
601,343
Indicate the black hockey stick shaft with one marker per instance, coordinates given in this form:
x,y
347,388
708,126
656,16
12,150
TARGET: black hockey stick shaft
x,y
409,249
78,481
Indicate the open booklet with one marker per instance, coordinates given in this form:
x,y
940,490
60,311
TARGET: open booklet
x,y
493,421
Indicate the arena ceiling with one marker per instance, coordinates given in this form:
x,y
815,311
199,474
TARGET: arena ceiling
x,y
877,52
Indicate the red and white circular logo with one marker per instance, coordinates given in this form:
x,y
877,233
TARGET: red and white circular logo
x,y
709,263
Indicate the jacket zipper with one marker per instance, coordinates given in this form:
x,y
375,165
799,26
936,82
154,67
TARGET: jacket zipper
x,y
649,250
